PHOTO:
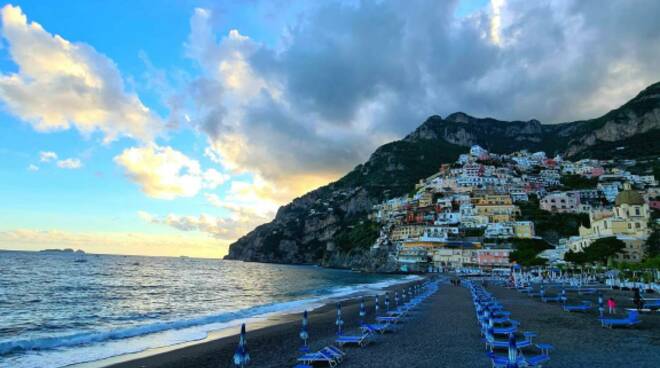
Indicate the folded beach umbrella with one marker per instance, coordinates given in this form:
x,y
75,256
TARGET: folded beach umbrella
x,y
304,335
601,306
387,302
241,356
363,311
513,352
339,322
376,306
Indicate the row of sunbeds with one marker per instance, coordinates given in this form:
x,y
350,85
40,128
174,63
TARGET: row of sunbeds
x,y
500,332
632,319
334,355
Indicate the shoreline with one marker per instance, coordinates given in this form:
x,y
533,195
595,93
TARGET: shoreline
x,y
272,327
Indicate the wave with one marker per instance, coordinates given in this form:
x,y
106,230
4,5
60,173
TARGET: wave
x,y
212,322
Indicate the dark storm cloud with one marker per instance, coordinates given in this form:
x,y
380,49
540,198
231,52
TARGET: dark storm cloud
x,y
347,77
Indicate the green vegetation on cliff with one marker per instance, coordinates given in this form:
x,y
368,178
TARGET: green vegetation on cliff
x,y
551,226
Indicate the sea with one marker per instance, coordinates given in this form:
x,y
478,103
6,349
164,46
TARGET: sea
x,y
61,309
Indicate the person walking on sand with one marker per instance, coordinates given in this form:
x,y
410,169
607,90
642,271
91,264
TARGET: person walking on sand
x,y
611,305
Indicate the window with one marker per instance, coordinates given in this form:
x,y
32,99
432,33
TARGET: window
x,y
637,211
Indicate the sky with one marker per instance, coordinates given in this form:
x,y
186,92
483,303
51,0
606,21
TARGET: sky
x,y
130,128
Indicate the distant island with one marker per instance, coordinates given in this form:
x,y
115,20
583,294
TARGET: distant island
x,y
65,250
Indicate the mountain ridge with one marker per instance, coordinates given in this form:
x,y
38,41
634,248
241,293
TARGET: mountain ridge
x,y
311,229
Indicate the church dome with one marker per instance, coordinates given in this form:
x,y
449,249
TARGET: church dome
x,y
629,197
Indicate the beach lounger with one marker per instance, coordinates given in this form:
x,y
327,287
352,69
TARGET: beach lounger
x,y
585,306
550,299
539,359
318,357
631,320
359,340
499,361
505,330
388,319
380,328
651,304
493,343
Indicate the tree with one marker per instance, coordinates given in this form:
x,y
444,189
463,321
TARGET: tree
x,y
598,252
527,250
653,241
604,248
578,182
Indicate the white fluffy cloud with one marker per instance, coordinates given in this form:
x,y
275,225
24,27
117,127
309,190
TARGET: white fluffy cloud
x,y
33,167
46,156
69,163
60,84
218,227
165,173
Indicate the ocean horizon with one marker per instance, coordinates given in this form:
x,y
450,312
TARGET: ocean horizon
x,y
60,309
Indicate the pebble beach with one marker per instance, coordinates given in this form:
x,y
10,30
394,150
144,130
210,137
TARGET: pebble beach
x,y
442,332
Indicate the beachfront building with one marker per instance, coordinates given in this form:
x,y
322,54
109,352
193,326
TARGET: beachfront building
x,y
490,258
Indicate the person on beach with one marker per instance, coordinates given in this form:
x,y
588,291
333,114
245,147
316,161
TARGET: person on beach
x,y
611,305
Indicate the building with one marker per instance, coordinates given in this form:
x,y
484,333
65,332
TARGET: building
x,y
403,232
560,202
627,222
498,213
493,258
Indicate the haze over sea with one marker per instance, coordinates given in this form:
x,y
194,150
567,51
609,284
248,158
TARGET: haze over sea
x,y
62,309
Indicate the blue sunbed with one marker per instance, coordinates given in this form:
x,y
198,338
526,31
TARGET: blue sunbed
x,y
585,306
631,320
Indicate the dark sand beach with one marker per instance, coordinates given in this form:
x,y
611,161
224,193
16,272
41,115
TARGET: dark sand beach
x,y
579,339
442,333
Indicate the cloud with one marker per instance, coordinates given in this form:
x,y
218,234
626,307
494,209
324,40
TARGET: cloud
x,y
223,228
114,242
33,168
69,163
346,77
46,156
62,84
165,173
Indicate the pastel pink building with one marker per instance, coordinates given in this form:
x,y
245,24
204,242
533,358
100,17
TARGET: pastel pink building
x,y
493,257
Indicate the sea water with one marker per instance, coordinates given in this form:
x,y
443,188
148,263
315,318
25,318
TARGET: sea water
x,y
58,309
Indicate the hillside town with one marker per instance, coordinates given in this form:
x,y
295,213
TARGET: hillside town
x,y
474,213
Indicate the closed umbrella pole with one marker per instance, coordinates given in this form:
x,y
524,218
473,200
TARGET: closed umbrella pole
x,y
241,356
304,334
363,312
339,322
513,352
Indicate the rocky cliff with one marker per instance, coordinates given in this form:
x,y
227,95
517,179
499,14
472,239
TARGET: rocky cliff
x,y
328,226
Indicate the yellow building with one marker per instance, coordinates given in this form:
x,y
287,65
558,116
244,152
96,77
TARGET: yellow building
x,y
523,229
402,232
425,199
628,222
630,218
492,200
498,213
